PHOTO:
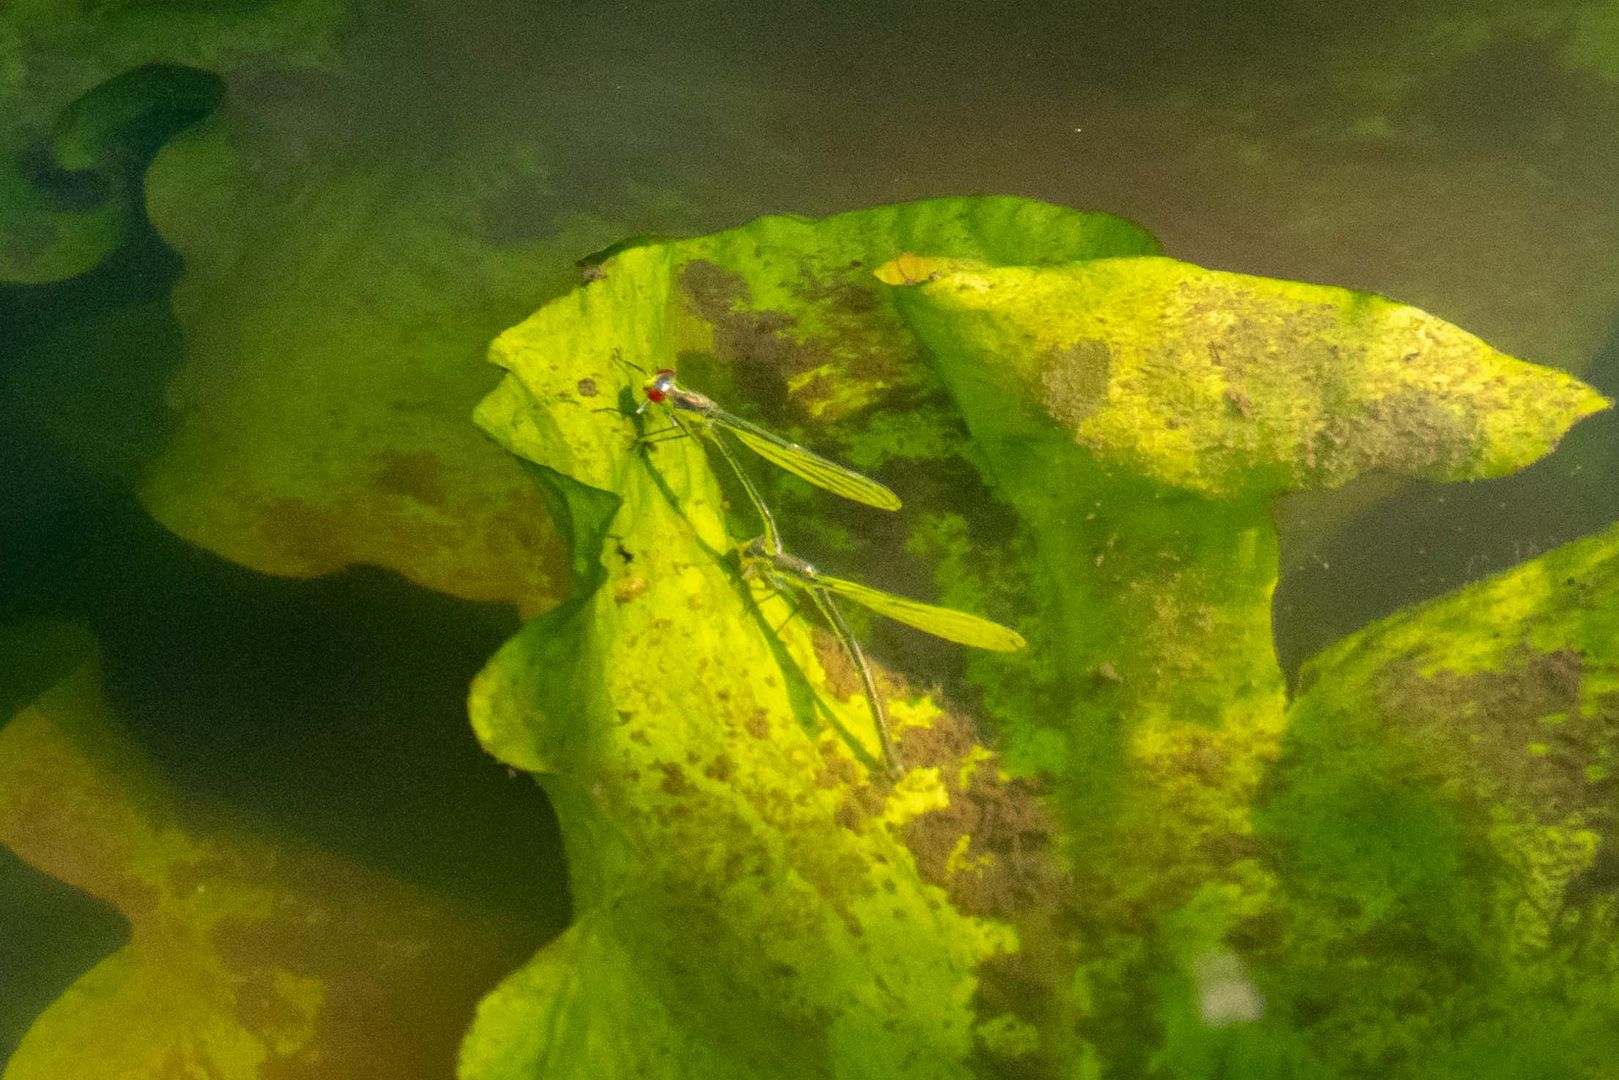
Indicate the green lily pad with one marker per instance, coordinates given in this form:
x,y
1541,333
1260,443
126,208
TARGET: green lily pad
x,y
1444,806
1140,415
760,895
249,955
744,877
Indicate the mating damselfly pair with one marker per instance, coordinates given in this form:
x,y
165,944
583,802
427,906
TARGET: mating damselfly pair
x,y
766,559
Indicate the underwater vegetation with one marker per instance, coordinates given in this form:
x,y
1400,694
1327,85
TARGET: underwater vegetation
x,y
1126,849
1092,840
1122,850
247,954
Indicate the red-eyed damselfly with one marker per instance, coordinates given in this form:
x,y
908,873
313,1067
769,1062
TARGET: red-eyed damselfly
x,y
685,405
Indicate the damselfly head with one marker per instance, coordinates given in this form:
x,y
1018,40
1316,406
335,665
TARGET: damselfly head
x,y
660,386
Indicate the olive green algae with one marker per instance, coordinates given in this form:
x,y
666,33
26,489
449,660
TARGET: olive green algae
x,y
1444,809
742,874
1091,446
250,955
1141,415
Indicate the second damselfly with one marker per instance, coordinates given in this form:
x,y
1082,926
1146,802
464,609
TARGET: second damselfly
x,y
764,560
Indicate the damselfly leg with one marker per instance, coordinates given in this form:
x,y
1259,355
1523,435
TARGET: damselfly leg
x,y
763,568
765,559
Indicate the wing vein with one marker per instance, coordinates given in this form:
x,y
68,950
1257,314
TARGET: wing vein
x,y
947,623
807,464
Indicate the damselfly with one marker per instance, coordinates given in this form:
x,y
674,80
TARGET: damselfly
x,y
683,404
765,560
941,622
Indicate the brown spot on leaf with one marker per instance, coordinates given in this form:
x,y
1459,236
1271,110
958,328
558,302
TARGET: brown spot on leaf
x,y
1032,984
762,353
841,676
313,535
1075,380
416,475
836,770
629,588
674,780
945,743
758,724
1520,730
1009,865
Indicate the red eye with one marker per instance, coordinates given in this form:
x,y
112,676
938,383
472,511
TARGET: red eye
x,y
657,391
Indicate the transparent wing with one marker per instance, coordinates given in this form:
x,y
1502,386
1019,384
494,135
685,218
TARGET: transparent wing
x,y
947,623
806,463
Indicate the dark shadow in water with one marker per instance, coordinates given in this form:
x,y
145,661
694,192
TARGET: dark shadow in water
x,y
1428,539
52,934
333,708
141,270
329,711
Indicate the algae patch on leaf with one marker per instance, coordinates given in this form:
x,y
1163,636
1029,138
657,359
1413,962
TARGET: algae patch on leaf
x,y
1445,813
1141,414
746,882
249,955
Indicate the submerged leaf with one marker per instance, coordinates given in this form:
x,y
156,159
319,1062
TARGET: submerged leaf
x,y
1141,414
751,889
321,407
1230,386
748,884
1444,808
249,956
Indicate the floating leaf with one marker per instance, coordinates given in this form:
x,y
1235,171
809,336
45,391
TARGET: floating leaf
x,y
750,886
1141,414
